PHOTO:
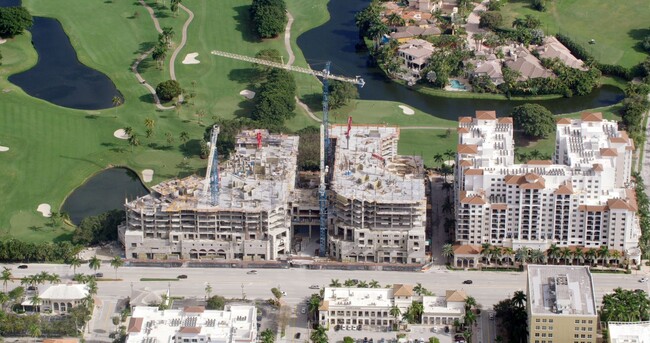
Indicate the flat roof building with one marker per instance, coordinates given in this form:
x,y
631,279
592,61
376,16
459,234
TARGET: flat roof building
x,y
634,332
561,304
248,219
582,197
377,198
193,324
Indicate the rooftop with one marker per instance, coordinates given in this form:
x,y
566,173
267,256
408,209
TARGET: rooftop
x,y
253,178
357,297
149,324
367,166
636,332
64,291
561,290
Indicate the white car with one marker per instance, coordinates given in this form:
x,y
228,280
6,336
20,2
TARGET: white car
x,y
303,310
644,279
284,293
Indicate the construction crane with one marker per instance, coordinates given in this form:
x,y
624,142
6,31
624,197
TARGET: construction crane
x,y
212,174
324,130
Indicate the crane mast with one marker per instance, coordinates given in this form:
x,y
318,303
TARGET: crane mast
x,y
213,170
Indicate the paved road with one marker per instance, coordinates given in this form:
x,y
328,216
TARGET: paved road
x,y
645,167
472,24
172,70
488,287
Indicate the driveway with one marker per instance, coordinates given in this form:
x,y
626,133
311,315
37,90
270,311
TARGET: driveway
x,y
472,23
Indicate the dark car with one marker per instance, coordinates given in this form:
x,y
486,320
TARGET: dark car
x,y
99,275
22,266
467,282
182,276
297,335
252,272
31,288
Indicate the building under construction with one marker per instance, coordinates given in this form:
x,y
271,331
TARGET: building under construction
x,y
248,216
377,198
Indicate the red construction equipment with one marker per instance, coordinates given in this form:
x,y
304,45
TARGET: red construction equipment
x,y
259,140
347,134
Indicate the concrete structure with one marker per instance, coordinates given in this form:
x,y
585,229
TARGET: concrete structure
x,y
561,305
193,324
444,310
61,298
251,219
583,197
635,332
377,198
148,297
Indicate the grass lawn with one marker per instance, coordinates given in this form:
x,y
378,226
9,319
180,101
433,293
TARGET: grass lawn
x,y
617,26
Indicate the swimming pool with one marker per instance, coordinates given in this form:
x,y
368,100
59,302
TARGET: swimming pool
x,y
455,84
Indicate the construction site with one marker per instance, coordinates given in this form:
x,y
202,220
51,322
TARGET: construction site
x,y
238,211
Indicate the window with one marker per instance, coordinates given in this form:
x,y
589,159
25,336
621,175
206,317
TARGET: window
x,y
133,245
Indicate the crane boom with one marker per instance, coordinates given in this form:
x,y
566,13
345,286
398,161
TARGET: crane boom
x,y
356,80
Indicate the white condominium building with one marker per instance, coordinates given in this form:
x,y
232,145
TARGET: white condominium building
x,y
249,218
377,198
193,324
582,197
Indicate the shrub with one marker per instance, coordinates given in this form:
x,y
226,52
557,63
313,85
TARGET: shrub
x,y
168,90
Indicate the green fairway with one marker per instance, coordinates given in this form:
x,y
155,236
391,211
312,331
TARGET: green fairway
x,y
54,149
616,26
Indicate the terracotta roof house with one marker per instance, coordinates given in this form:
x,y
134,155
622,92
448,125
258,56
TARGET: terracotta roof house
x,y
404,33
415,53
552,48
527,65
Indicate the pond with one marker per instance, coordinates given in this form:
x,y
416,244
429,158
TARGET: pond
x,y
58,76
103,192
336,40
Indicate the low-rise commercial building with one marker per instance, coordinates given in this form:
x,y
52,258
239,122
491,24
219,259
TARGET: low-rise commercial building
x,y
561,305
193,324
61,298
634,332
444,310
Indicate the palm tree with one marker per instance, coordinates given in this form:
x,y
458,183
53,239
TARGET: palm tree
x,y
349,283
159,54
418,308
438,158
362,284
448,251
616,255
604,254
519,299
200,114
94,263
537,256
35,301
116,262
149,124
591,255
117,101
5,277
34,331
566,254
450,154
470,318
510,254
446,186
313,304
268,336
374,284
133,141
470,302
485,251
553,252
395,312
579,255
184,137
128,130
208,290
4,297
395,20
54,278
74,263
169,137
168,34
522,255
335,283
418,289
496,254
319,335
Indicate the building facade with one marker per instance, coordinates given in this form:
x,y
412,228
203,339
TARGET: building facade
x,y
444,310
561,305
61,298
582,197
248,218
236,323
377,210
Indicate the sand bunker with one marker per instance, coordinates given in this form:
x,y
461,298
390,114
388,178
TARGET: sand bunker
x,y
3,148
191,58
2,41
147,175
45,210
247,94
406,110
120,134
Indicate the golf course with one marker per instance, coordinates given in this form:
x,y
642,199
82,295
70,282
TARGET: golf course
x,y
52,149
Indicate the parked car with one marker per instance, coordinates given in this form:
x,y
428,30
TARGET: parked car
x,y
31,288
284,293
252,271
491,315
297,335
643,279
99,275
22,266
303,310
467,282
182,276
314,287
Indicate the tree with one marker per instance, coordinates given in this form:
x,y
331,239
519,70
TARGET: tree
x,y
200,114
74,263
116,262
341,93
269,17
313,304
335,283
319,335
208,290
169,137
272,55
167,34
625,306
604,254
159,54
268,336
98,229
275,99
133,140
448,251
149,123
94,263
349,283
168,90
35,301
277,294
309,148
34,331
14,20
490,20
566,254
117,101
374,284
535,120
395,312
184,137
394,20
348,339
553,252
216,302
5,277
54,278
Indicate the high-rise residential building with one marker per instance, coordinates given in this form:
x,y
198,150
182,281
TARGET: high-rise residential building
x,y
582,197
249,218
377,198
561,305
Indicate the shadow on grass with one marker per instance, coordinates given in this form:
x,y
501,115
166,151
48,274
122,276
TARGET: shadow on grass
x,y
157,146
82,160
191,148
66,237
245,109
147,98
92,116
639,35
314,100
244,76
245,24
